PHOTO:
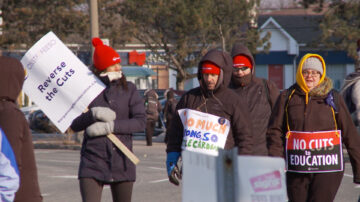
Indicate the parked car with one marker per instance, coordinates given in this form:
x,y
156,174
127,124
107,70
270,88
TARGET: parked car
x,y
40,123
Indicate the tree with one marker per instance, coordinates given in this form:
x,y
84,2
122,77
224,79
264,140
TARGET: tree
x,y
181,31
341,28
25,22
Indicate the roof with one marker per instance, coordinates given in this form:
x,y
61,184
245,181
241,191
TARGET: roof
x,y
303,28
137,71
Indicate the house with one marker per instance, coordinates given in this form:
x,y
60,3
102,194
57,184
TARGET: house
x,y
291,38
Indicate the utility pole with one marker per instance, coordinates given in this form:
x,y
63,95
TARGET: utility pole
x,y
94,23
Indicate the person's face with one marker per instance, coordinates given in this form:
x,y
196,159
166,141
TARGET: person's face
x,y
113,68
241,71
210,80
311,77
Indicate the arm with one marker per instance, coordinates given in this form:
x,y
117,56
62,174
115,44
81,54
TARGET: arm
x,y
83,121
355,96
241,128
159,106
175,133
137,118
165,110
9,174
275,132
274,93
350,137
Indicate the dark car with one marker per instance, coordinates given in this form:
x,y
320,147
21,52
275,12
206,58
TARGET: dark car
x,y
40,123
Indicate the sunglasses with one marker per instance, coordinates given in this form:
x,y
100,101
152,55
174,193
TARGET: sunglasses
x,y
236,69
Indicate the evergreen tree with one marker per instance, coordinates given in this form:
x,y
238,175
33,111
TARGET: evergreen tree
x,y
341,28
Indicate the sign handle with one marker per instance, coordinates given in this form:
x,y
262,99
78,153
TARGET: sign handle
x,y
123,148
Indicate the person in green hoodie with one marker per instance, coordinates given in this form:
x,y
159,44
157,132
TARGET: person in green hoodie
x,y
308,126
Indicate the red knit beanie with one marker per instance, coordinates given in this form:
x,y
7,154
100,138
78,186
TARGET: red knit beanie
x,y
242,61
104,56
210,68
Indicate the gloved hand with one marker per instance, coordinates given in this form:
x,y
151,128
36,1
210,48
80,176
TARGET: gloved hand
x,y
100,128
103,114
172,168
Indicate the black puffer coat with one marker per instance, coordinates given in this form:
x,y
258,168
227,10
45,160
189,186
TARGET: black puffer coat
x,y
100,159
221,102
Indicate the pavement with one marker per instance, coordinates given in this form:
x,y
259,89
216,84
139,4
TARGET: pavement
x,y
64,141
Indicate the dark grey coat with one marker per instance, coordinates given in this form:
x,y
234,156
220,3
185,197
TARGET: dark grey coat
x,y
100,159
260,98
221,102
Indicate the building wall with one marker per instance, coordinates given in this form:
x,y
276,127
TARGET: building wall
x,y
161,80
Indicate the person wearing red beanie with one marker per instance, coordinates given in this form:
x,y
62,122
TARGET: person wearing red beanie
x,y
104,56
211,74
259,94
118,109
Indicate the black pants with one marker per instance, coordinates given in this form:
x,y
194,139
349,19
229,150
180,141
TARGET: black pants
x,y
316,187
91,190
149,130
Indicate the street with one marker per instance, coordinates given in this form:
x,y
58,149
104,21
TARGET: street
x,y
57,170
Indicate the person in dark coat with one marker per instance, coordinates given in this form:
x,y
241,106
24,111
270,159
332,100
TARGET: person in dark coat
x,y
212,97
351,94
17,130
152,108
260,94
169,110
310,121
118,109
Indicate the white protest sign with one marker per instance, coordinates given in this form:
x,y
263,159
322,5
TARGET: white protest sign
x,y
255,179
199,177
203,132
57,81
261,179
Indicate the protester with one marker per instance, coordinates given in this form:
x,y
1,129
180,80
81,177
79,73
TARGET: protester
x,y
16,128
169,110
215,98
304,130
260,95
152,108
351,92
119,109
9,173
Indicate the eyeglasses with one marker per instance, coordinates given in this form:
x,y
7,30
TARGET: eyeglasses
x,y
236,69
310,73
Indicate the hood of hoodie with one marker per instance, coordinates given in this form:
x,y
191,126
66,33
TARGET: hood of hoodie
x,y
299,77
240,49
349,80
221,59
11,78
